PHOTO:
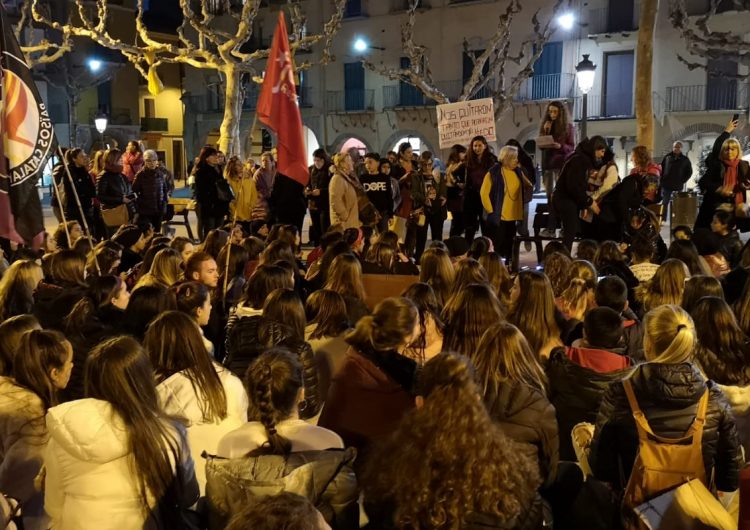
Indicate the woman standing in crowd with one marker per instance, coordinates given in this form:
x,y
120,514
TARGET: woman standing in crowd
x,y
436,197
526,164
41,368
415,480
556,124
264,178
112,187
210,195
85,188
726,180
17,287
478,162
455,176
504,191
513,385
671,392
152,191
317,195
138,469
373,389
245,193
342,192
570,196
193,387
132,160
533,311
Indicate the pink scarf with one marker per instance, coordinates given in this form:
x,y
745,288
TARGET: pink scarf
x,y
730,179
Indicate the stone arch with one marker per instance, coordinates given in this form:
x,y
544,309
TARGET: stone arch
x,y
401,133
691,130
343,137
531,132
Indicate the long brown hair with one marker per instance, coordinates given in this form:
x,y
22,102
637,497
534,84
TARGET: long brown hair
x,y
345,277
39,352
560,125
534,310
17,287
68,267
665,287
118,371
390,323
99,295
285,307
498,276
723,348
381,254
436,270
174,344
273,382
696,287
327,310
423,297
417,468
11,331
263,281
504,355
468,271
467,315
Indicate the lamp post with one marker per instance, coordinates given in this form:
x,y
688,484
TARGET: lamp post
x,y
585,72
361,45
100,122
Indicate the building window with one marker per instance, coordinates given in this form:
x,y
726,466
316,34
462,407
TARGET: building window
x,y
618,83
353,9
149,108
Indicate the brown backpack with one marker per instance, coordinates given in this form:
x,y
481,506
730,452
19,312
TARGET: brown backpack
x,y
662,463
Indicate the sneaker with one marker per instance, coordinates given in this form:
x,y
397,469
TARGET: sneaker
x,y
527,246
548,233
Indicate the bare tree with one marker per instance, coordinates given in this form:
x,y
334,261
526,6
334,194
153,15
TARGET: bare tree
x,y
492,68
41,51
202,42
644,107
704,42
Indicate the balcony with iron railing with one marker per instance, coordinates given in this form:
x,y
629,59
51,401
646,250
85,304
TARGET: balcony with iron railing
x,y
357,100
402,95
547,86
725,94
617,105
598,21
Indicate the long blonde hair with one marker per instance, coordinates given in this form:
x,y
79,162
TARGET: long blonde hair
x,y
165,269
18,284
345,277
669,335
436,270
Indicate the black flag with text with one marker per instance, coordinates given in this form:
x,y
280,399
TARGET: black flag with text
x,y
27,141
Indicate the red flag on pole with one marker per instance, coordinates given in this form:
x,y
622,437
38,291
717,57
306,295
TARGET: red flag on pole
x,y
278,108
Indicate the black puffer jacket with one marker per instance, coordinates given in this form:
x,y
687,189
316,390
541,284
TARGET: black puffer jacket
x,y
111,189
152,192
248,337
526,416
668,394
574,177
575,392
206,193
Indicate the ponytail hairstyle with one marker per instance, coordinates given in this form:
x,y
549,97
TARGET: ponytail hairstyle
x,y
669,335
273,383
190,297
11,332
39,352
502,356
285,307
326,309
575,299
101,291
119,372
387,328
174,344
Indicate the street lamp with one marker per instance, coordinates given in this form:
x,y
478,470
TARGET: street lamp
x,y
566,21
585,72
361,45
100,122
94,65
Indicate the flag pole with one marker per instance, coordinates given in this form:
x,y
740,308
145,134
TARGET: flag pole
x,y
80,209
61,206
234,218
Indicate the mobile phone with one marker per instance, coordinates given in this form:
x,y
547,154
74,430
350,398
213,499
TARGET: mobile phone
x,y
735,117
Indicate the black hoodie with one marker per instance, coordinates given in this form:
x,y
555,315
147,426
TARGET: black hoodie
x,y
574,177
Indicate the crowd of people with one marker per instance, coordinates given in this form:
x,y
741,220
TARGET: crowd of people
x,y
151,381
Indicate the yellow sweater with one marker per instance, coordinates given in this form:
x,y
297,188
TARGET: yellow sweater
x,y
512,205
245,197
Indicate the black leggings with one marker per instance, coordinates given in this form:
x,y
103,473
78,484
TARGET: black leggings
x,y
567,211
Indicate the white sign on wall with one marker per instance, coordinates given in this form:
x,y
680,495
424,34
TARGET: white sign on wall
x,y
459,122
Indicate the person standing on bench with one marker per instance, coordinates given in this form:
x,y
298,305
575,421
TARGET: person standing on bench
x,y
570,196
557,125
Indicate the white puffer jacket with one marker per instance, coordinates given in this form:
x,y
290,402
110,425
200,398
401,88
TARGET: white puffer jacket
x,y
178,398
90,482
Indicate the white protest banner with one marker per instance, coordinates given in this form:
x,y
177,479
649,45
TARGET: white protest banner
x,y
459,122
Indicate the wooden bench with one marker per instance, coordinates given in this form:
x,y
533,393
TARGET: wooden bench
x,y
541,216
381,286
182,207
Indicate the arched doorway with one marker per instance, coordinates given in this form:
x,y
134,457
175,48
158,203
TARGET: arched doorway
x,y
311,143
355,143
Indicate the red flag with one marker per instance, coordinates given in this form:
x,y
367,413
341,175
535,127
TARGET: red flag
x,y
26,141
278,108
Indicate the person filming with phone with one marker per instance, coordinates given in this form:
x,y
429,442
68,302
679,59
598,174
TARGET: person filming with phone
x,y
726,180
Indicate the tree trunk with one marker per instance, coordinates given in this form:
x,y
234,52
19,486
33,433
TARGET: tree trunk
x,y
229,140
644,112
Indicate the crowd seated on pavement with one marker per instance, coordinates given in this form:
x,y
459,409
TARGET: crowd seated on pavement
x,y
241,381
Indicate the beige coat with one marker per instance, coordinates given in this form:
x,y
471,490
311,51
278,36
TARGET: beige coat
x,y
343,202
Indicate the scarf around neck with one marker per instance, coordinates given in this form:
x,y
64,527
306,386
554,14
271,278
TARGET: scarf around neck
x,y
730,179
